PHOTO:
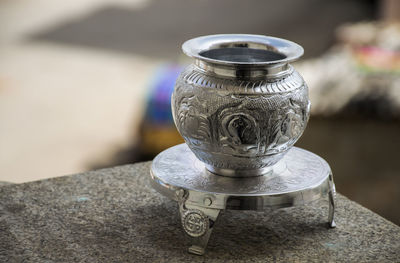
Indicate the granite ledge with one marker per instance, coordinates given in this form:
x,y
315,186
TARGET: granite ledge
x,y
112,215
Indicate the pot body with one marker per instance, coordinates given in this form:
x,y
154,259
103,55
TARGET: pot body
x,y
240,126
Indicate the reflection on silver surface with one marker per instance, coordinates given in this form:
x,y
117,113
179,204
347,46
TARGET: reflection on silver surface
x,y
298,178
298,170
240,106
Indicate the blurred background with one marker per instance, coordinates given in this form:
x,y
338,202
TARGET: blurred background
x,y
86,84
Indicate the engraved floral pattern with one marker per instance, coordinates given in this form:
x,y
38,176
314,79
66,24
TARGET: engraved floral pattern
x,y
190,119
239,118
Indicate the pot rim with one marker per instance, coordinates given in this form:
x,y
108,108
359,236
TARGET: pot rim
x,y
196,46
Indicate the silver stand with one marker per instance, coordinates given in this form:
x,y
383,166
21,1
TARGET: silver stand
x,y
300,177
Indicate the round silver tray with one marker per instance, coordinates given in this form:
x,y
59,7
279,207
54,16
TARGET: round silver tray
x,y
298,178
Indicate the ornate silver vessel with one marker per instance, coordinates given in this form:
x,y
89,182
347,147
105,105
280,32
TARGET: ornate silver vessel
x,y
240,106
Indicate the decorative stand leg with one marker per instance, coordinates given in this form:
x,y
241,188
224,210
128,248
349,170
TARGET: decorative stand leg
x,y
332,194
197,222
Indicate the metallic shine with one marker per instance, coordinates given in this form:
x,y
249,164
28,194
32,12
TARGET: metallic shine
x,y
298,178
240,108
240,117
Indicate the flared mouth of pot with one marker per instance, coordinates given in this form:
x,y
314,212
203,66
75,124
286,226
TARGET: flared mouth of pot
x,y
242,49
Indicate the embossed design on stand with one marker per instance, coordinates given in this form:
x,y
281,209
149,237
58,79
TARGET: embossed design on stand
x,y
195,222
299,169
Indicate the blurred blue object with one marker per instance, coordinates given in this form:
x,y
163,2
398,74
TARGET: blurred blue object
x,y
158,107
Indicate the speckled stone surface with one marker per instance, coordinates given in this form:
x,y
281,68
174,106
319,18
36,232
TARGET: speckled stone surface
x,y
112,215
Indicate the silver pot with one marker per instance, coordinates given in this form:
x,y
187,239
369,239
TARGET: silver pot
x,y
240,106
